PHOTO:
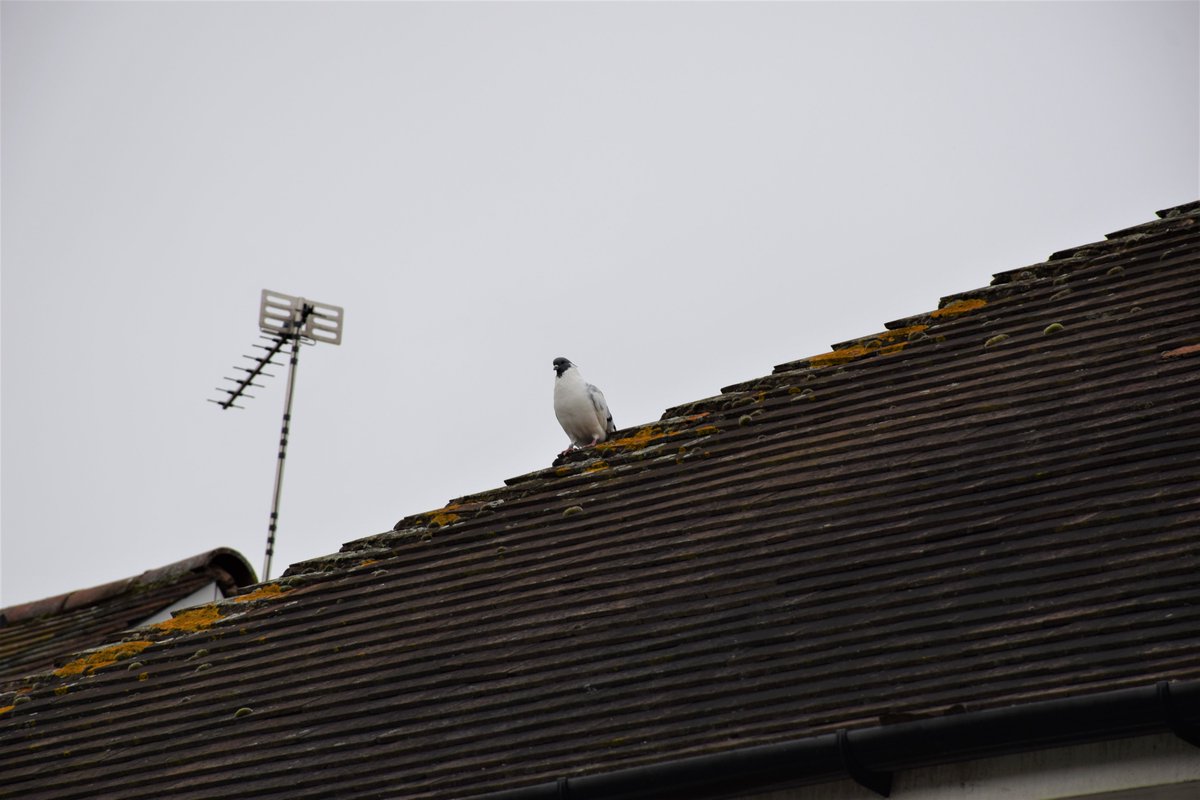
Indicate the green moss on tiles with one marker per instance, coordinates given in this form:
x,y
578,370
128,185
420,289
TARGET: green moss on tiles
x,y
1059,295
1117,270
572,510
243,712
995,340
1053,328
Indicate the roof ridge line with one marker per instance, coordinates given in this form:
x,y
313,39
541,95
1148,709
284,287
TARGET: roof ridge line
x,y
231,561
894,338
896,335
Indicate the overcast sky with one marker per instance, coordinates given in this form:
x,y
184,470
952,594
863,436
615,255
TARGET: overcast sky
x,y
674,196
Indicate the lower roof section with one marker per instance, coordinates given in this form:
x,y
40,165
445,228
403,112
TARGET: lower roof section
x,y
870,756
34,634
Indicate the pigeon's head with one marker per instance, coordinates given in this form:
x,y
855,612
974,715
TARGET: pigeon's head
x,y
561,365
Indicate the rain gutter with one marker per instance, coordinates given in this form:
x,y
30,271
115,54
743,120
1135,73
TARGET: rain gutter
x,y
870,756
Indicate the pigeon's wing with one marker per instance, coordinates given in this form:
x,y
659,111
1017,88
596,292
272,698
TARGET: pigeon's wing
x,y
602,412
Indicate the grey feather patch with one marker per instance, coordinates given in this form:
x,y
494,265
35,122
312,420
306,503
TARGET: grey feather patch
x,y
598,402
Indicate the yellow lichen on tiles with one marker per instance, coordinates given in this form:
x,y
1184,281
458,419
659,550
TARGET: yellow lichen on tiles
x,y
194,619
599,466
635,441
271,591
901,333
101,658
842,356
443,516
888,342
61,690
958,307
6,709
652,433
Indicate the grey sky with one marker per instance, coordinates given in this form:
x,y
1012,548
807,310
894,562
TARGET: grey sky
x,y
674,196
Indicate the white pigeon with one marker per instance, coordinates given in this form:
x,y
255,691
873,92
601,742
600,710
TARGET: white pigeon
x,y
580,407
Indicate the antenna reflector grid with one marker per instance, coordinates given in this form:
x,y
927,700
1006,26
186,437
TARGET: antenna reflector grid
x,y
284,315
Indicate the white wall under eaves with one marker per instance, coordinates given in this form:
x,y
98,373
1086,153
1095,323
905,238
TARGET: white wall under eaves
x,y
1143,768
205,594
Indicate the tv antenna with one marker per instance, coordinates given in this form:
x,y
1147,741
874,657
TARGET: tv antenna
x,y
283,319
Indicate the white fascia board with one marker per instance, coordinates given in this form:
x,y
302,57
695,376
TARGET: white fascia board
x,y
1161,767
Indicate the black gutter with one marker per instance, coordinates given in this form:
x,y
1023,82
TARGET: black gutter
x,y
870,755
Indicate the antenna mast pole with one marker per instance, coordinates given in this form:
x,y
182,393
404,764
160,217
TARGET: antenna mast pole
x,y
283,437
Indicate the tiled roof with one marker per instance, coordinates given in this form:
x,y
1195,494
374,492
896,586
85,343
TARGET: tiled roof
x,y
989,505
33,634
